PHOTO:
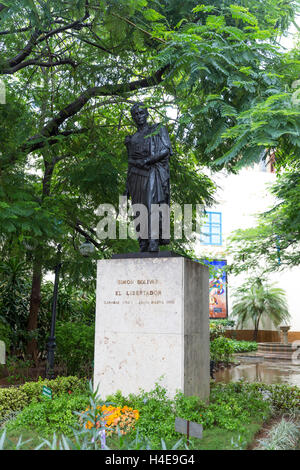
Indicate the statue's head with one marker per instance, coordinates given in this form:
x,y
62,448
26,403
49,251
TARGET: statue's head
x,y
139,113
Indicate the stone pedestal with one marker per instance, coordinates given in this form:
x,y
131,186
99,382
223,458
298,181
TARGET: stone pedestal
x,y
152,322
284,333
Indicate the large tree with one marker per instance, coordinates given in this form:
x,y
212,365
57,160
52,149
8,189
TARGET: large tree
x,y
73,69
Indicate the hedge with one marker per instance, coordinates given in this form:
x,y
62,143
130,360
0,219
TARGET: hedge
x,y
14,399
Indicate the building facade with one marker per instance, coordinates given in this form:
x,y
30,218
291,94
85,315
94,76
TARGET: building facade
x,y
239,199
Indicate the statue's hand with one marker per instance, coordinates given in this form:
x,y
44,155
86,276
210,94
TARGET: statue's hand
x,y
141,163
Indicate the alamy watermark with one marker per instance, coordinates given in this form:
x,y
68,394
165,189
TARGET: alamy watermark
x,y
296,353
296,94
2,92
138,221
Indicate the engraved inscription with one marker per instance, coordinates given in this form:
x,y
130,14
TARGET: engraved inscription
x,y
138,291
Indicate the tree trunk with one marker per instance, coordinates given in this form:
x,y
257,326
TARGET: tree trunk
x,y
255,334
35,301
35,298
256,325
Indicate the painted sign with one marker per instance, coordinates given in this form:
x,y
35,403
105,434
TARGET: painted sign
x,y
47,392
217,289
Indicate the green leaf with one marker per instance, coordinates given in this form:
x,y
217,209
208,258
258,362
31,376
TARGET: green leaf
x,y
203,8
242,13
215,22
152,15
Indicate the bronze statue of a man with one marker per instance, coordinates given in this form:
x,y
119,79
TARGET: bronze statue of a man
x,y
148,177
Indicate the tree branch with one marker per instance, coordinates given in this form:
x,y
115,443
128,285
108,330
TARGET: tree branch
x,y
36,62
26,51
72,25
91,43
54,140
36,38
52,127
21,30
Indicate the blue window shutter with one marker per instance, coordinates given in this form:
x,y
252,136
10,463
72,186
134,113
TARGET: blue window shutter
x,y
211,230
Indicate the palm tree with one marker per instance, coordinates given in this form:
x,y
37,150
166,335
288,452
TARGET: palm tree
x,y
257,300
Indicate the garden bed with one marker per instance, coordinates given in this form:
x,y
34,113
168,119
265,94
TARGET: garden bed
x,y
232,419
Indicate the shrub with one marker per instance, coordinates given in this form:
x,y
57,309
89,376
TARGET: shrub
x,y
243,346
233,405
282,397
229,408
48,416
11,400
75,347
15,398
216,330
224,322
156,409
59,386
221,350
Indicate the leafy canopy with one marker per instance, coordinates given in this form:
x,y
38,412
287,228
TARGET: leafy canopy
x,y
73,69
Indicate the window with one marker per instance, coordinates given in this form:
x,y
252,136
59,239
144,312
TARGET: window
x,y
211,230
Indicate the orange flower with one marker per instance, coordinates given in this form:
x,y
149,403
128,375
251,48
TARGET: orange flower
x,y
113,418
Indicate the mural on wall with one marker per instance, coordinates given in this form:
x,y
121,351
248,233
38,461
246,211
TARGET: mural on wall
x,y
218,289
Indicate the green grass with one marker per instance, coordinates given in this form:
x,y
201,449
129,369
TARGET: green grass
x,y
220,439
213,439
12,438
